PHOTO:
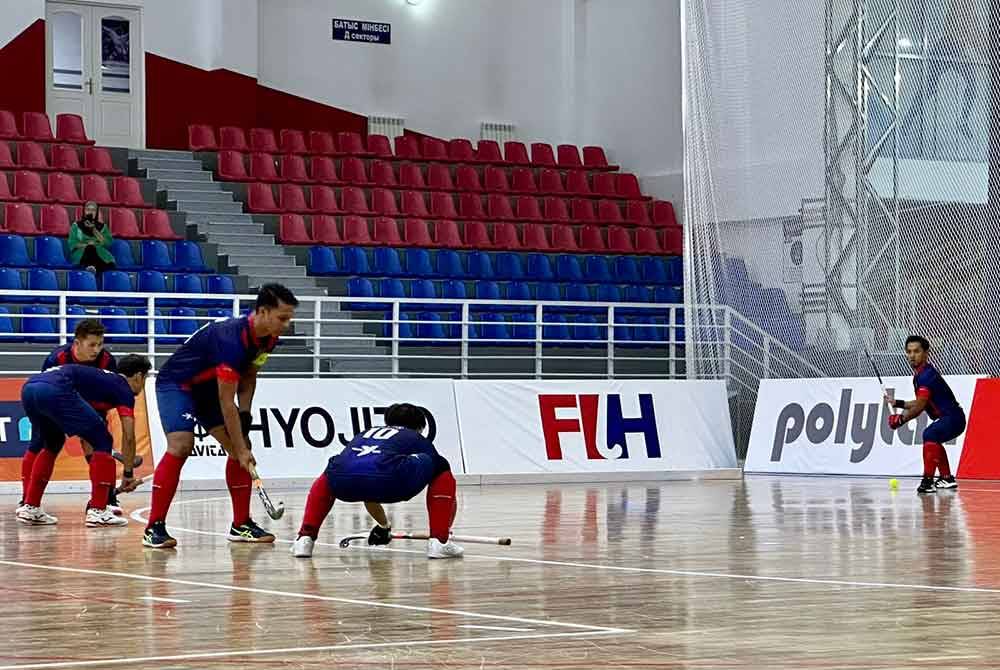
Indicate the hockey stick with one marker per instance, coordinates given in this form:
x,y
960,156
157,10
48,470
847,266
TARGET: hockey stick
x,y
118,489
881,384
408,535
275,512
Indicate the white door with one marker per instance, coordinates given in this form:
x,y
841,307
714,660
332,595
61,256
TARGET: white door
x,y
95,69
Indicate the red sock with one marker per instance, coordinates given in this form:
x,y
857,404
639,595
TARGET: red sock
x,y
41,472
239,481
26,464
102,478
165,481
441,505
944,468
318,506
930,458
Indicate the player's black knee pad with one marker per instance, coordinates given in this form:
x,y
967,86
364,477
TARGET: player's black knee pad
x,y
441,464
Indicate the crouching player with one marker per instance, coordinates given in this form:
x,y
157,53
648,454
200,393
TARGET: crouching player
x,y
386,464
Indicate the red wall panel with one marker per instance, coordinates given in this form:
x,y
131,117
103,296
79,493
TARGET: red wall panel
x,y
22,62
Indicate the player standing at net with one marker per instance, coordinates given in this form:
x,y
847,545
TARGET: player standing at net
x,y
211,380
935,397
386,464
70,400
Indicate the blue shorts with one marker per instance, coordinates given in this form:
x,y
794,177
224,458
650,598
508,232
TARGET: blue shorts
x,y
55,413
945,429
182,407
402,482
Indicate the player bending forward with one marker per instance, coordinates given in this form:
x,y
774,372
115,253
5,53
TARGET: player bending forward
x,y
387,464
69,400
935,397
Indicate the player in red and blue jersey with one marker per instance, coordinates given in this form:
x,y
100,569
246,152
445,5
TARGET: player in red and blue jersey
x,y
210,380
386,464
935,397
72,400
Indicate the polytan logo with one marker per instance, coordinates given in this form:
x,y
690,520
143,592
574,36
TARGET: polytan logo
x,y
856,424
592,407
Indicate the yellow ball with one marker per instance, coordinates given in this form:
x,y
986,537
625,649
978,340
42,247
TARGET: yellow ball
x,y
893,483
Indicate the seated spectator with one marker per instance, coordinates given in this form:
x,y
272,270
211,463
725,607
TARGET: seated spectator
x,y
90,241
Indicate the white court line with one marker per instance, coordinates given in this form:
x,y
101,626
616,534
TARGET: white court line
x,y
137,660
157,599
623,568
516,630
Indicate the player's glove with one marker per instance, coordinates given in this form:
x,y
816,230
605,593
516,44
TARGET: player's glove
x,y
895,421
246,420
379,535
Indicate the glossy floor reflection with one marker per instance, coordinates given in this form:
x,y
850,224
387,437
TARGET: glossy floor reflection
x,y
761,573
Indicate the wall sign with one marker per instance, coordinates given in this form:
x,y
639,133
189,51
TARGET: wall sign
x,y
352,30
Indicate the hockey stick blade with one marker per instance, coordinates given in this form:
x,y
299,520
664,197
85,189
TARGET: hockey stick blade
x,y
469,539
118,489
275,512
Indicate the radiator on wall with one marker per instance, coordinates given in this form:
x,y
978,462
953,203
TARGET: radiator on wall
x,y
390,126
499,132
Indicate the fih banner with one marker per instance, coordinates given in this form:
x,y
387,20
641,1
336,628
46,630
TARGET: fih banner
x,y
840,426
15,436
298,424
514,427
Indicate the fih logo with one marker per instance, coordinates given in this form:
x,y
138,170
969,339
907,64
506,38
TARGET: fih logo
x,y
618,426
865,421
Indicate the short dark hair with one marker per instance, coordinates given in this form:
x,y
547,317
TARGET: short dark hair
x,y
133,363
270,295
88,327
919,339
405,415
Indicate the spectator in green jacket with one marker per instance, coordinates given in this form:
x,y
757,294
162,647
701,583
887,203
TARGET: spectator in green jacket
x,y
90,241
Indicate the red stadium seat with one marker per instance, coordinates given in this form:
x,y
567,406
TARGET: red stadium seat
x,y
583,211
98,159
293,142
577,184
608,212
37,127
467,179
523,181
443,206
64,157
156,225
555,210
505,237
663,213
591,239
411,176
19,219
476,236
606,185
551,182
260,198
353,201
637,213
323,170
387,232
127,191
62,188
232,167
384,202
496,180
351,143
323,199
414,205
488,151
527,209
439,177
516,153
620,241
594,159
7,159
647,241
446,235
262,168
379,146
407,147
673,240
541,155
293,168
291,198
461,151
352,171
233,138
263,140
292,230
628,186
5,192
69,128
28,186
356,231
325,230
94,187
536,237
498,208
568,156
416,234
470,206
383,174
8,126
433,149
54,221
124,224
31,156
201,137
564,239
321,142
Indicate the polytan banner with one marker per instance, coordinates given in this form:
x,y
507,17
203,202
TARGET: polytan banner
x,y
15,436
298,424
515,427
840,426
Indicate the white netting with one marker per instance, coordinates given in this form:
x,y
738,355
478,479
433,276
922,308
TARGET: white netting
x,y
837,183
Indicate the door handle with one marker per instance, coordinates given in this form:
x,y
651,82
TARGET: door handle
x,y
90,86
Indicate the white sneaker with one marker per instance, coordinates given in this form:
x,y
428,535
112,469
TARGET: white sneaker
x,y
435,549
303,547
115,509
99,518
34,516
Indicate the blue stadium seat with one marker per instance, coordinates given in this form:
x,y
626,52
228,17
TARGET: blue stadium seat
x,y
418,263
186,283
654,270
124,259
585,328
493,327
423,288
667,295
480,265
387,263
555,329
183,326
547,291
117,328
151,281
540,268
142,327
188,258
523,328
675,271
10,280
433,330
392,288
42,279
577,292
49,253
597,269
608,292
453,289
84,282
216,284
509,266
487,290
361,287
639,293
355,261
568,268
518,290
155,255
37,324
220,313
449,264
406,330
623,331
626,270
116,281
78,314
322,261
7,333
14,252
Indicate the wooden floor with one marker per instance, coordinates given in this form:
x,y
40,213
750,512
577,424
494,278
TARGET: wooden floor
x,y
765,573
